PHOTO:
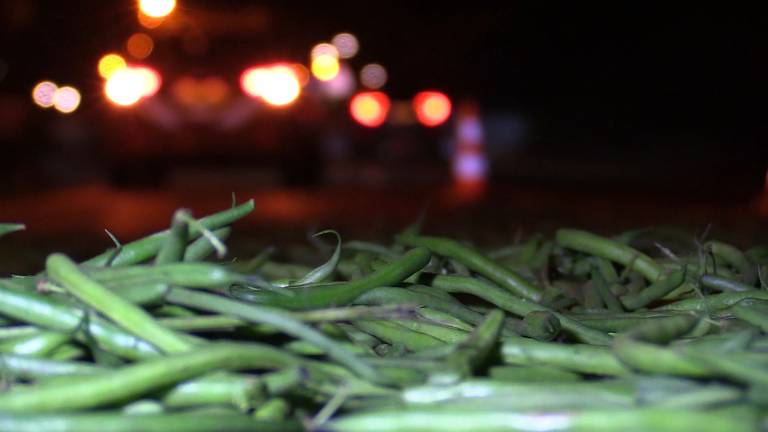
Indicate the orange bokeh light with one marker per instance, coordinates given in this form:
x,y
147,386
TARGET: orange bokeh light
x,y
370,109
109,64
127,86
139,45
278,85
157,8
432,108
325,67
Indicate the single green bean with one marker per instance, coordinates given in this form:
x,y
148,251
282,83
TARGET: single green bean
x,y
476,262
540,325
604,290
393,333
522,374
32,367
580,358
37,345
344,293
119,422
500,420
188,274
241,391
172,249
720,283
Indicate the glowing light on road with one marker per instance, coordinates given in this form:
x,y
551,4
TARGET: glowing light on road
x,y
373,76
66,99
127,86
254,80
302,73
346,44
109,64
325,67
370,109
43,94
150,80
432,108
157,8
324,49
277,85
283,88
139,45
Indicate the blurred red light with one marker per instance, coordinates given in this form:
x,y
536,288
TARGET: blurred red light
x,y
370,109
432,108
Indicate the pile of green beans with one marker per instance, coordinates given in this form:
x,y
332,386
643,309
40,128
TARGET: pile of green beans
x,y
573,332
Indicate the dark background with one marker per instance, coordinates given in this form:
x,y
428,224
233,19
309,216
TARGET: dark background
x,y
620,114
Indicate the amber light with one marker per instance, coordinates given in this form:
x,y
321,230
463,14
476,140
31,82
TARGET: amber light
x,y
432,108
370,109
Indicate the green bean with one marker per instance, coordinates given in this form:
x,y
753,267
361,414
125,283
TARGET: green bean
x,y
193,275
34,308
580,358
147,247
273,317
63,270
609,322
540,325
6,228
604,291
442,318
241,391
441,332
37,345
602,247
449,305
714,302
273,409
119,422
723,284
342,294
476,262
325,270
70,351
639,419
16,331
142,378
653,292
733,256
142,294
519,307
487,394
473,351
363,246
172,249
521,374
755,314
634,349
33,367
202,248
393,333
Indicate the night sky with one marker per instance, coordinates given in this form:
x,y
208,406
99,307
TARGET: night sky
x,y
670,80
